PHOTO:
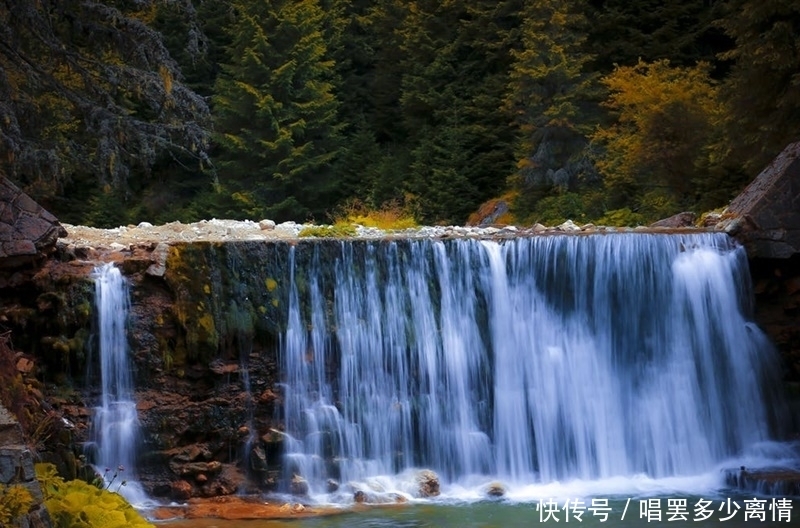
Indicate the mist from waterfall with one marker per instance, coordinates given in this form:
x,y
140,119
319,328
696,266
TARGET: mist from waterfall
x,y
529,360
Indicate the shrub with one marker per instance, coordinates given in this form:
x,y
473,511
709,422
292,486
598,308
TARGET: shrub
x,y
621,218
77,504
392,215
14,502
338,230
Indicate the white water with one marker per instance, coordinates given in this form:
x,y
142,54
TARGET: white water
x,y
563,364
115,426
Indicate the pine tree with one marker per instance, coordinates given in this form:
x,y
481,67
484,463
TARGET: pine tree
x,y
681,31
457,57
550,97
276,111
763,91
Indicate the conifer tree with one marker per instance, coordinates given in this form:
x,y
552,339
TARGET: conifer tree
x,y
549,96
455,74
277,122
762,93
623,32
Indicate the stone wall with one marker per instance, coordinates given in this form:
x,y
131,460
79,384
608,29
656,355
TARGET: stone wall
x,y
16,469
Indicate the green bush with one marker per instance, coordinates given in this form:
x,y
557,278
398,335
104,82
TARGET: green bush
x,y
338,230
621,218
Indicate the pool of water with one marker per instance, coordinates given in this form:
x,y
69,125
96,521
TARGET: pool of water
x,y
675,511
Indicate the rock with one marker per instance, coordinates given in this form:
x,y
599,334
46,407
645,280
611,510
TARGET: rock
x,y
298,486
685,219
710,219
181,490
266,225
539,228
221,368
427,483
569,226
27,231
489,213
159,256
775,482
360,497
24,365
331,486
495,489
770,209
258,459
192,469
268,396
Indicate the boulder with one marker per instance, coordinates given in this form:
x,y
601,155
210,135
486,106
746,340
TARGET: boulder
x,y
765,217
489,213
298,486
331,486
495,489
181,490
27,231
427,483
685,219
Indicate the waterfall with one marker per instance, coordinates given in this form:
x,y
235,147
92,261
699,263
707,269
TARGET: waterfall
x,y
535,359
115,425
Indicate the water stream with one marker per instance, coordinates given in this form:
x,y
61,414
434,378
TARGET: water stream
x,y
115,424
555,365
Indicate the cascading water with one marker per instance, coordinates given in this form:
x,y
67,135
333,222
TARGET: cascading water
x,y
529,360
115,426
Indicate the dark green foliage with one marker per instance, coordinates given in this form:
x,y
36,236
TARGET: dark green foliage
x,y
452,100
623,32
763,91
105,106
276,112
549,96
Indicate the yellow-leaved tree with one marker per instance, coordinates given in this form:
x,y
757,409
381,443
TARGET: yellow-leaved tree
x,y
657,149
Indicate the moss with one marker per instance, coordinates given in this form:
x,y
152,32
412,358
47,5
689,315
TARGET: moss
x,y
338,230
187,275
271,284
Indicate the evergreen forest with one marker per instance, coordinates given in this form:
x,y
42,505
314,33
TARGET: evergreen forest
x,y
609,111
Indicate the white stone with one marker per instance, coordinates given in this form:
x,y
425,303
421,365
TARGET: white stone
x,y
159,256
569,225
